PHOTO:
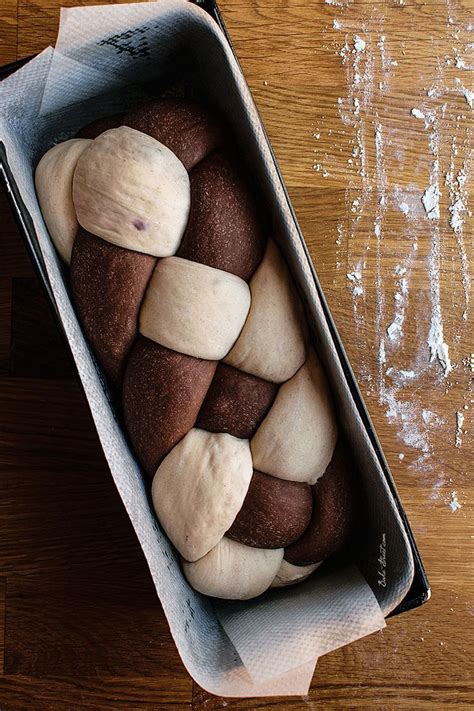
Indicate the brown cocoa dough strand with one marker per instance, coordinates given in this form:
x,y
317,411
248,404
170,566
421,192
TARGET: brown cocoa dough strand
x,y
162,393
333,514
275,512
94,129
187,128
108,284
236,402
224,229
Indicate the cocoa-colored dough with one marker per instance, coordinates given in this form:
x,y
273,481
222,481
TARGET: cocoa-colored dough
x,y
224,230
108,284
236,402
275,512
162,393
171,273
333,513
188,129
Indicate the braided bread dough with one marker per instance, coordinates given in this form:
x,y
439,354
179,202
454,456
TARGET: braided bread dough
x,y
162,395
271,344
296,439
193,308
332,516
191,131
53,181
234,571
274,513
236,402
289,574
132,191
98,269
199,488
171,274
224,230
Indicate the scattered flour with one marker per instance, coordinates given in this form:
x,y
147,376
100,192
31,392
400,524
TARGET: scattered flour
x,y
430,200
459,426
467,93
381,185
367,186
359,44
381,356
453,502
438,348
394,331
458,209
401,374
405,415
429,417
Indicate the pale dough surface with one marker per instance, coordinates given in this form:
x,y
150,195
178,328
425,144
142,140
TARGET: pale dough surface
x,y
297,438
131,190
290,574
272,343
194,309
199,488
233,571
53,181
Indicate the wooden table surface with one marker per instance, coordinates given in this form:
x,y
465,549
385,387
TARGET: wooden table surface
x,y
80,624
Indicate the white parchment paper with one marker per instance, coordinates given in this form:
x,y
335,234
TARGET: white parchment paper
x,y
103,56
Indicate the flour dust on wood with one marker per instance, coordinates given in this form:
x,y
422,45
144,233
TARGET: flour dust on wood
x,y
407,221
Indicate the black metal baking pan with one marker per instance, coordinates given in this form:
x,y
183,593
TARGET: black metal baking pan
x,y
419,591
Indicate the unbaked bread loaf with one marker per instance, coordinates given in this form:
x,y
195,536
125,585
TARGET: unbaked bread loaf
x,y
191,311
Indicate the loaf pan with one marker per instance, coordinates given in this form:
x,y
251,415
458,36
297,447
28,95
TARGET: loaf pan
x,y
384,500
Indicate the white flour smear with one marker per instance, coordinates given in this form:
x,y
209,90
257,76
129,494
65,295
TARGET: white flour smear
x,y
459,430
438,209
395,329
456,183
358,62
453,502
438,348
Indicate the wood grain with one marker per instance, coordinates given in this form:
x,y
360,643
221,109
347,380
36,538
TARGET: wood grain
x,y
80,625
